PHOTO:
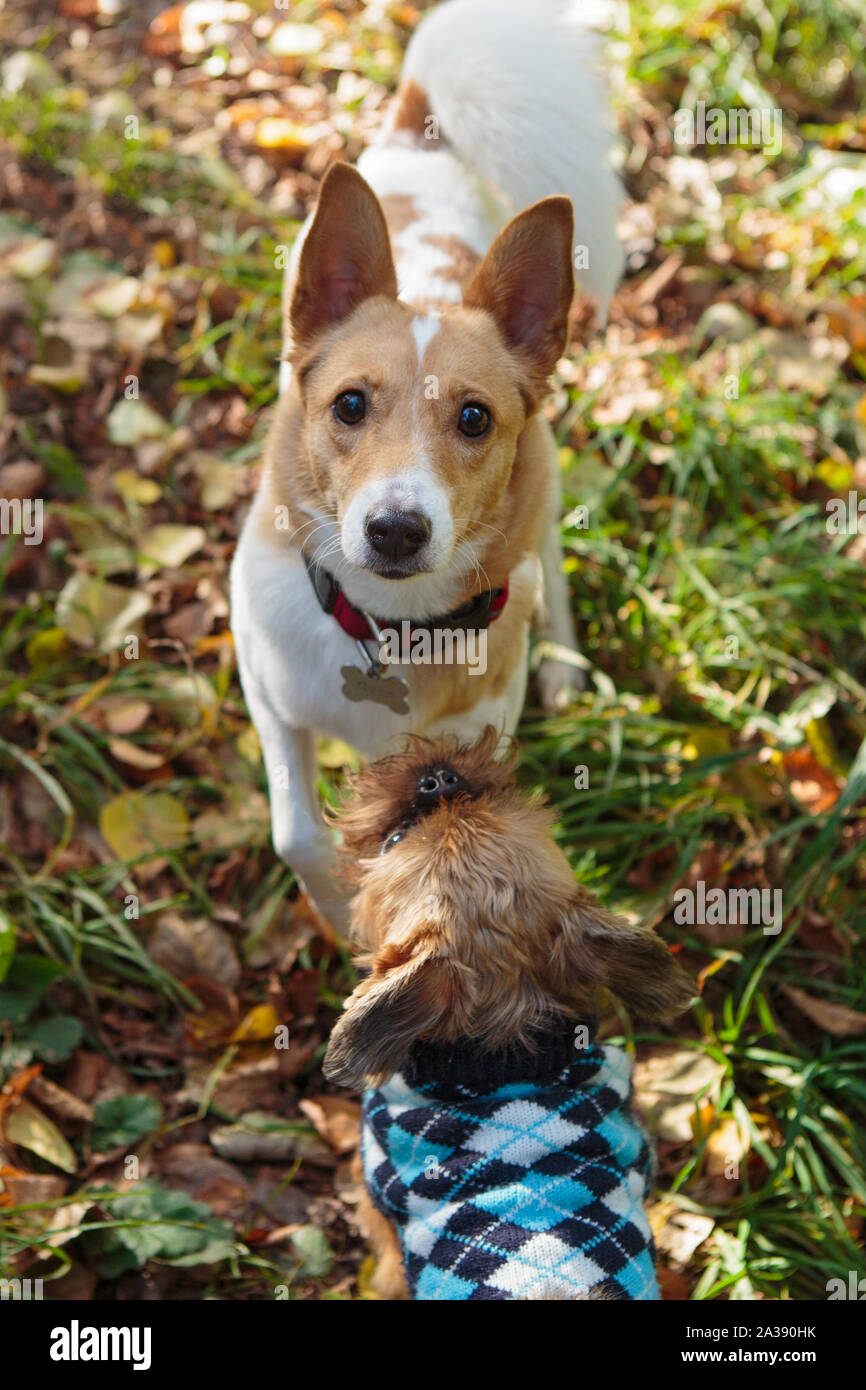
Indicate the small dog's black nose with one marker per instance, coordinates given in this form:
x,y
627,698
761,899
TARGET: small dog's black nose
x,y
396,535
439,784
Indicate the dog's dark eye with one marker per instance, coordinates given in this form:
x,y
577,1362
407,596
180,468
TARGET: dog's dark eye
x,y
474,420
394,838
350,407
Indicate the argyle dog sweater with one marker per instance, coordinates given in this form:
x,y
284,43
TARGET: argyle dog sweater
x,y
514,1175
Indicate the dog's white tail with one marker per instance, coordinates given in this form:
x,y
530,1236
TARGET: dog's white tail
x,y
518,91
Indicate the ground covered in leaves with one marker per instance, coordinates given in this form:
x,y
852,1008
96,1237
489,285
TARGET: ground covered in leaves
x,y
155,164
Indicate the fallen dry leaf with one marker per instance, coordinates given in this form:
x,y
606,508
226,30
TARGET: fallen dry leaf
x,y
195,1169
726,1146
249,1085
62,1102
259,1025
847,317
199,947
27,1188
27,1127
680,1234
837,1019
135,824
811,784
124,716
667,1085
262,1138
168,546
96,613
337,1120
134,754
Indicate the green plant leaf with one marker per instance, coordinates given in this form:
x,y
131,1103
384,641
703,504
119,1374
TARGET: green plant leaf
x,y
123,1120
55,1038
317,1257
27,979
7,944
163,1225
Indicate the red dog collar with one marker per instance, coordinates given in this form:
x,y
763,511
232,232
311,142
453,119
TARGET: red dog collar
x,y
480,611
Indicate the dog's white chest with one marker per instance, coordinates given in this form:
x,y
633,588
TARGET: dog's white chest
x,y
293,654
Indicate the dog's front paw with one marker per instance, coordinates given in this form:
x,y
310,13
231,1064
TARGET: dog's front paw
x,y
558,683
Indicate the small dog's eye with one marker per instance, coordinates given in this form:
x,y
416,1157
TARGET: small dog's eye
x,y
474,420
350,407
393,839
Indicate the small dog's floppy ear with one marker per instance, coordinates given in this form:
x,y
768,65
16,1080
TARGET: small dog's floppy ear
x,y
383,1018
634,963
526,281
345,258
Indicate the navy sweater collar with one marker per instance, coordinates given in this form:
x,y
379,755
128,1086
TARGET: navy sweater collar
x,y
464,1066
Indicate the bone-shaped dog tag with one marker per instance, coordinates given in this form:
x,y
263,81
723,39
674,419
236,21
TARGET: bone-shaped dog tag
x,y
366,685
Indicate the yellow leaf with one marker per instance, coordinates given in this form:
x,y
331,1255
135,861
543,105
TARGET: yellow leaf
x,y
134,488
278,133
707,743
258,1025
365,1278
163,253
332,752
137,823
47,647
248,745
837,476
28,1127
96,613
702,1118
167,546
823,745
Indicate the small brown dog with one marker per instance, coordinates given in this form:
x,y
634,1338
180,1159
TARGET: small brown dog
x,y
497,1136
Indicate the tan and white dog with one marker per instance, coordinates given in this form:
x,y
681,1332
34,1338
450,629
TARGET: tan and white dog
x,y
408,476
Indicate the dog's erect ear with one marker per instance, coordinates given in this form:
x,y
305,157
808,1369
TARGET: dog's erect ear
x,y
591,947
345,258
384,1017
526,281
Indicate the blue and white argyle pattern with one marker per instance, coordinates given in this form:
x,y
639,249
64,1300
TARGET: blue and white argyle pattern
x,y
534,1190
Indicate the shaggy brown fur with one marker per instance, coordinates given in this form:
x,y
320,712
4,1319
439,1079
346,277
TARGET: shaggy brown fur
x,y
472,924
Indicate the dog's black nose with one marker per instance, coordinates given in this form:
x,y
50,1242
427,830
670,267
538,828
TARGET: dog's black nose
x,y
439,784
396,535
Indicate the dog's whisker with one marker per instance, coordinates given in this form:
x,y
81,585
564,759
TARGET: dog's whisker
x,y
326,550
471,521
467,550
317,522
324,525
